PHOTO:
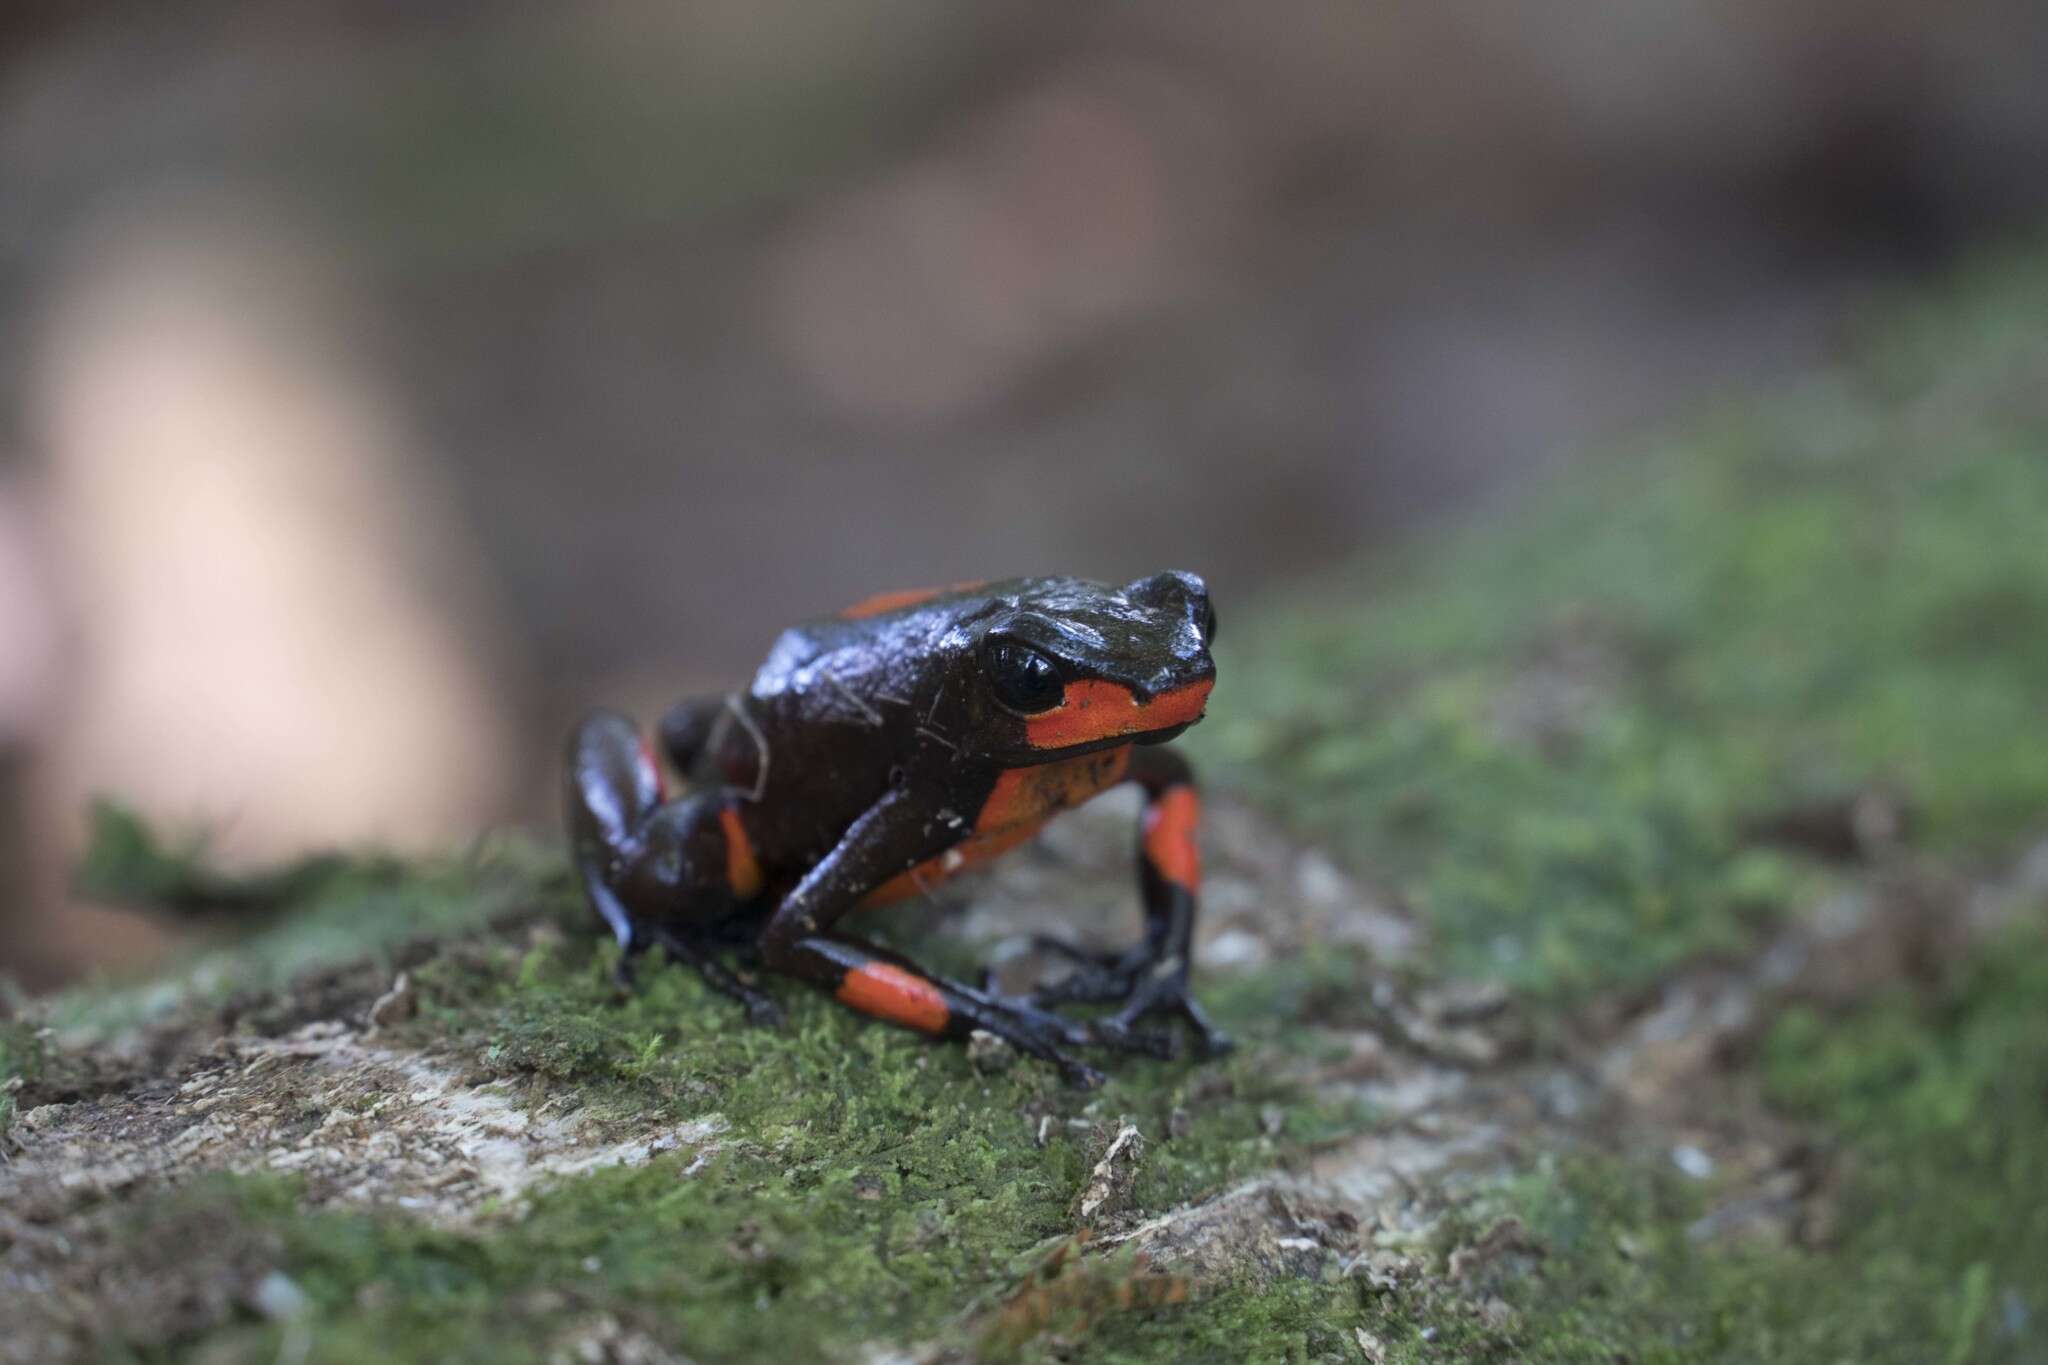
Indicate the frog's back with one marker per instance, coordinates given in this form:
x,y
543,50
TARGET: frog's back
x,y
881,633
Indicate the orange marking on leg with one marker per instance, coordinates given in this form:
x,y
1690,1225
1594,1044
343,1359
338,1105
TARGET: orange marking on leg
x,y
886,991
903,886
1094,709
903,597
1170,847
742,868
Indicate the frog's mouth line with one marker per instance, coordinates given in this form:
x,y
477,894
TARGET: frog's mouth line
x,y
1163,736
1026,758
1098,712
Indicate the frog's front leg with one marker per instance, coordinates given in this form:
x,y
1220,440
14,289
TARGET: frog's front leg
x,y
896,833
1151,977
659,873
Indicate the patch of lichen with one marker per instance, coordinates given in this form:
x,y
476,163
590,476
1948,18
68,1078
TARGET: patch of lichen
x,y
1552,729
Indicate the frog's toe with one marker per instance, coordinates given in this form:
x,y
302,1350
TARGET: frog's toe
x,y
1210,1041
699,954
1096,978
1165,992
1080,1075
1081,987
625,979
1114,1033
1034,1032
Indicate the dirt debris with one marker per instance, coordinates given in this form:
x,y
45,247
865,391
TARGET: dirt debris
x,y
393,1007
1108,1190
604,1340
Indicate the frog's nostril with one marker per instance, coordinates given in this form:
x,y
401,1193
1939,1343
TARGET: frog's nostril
x,y
1171,680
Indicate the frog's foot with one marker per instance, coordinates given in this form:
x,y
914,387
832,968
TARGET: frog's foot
x,y
1032,1031
1096,977
680,948
1147,983
1095,986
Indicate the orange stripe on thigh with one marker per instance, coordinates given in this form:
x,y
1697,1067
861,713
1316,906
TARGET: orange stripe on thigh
x,y
742,868
886,991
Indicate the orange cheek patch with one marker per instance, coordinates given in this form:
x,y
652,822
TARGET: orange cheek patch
x,y
742,868
1170,837
886,991
1102,710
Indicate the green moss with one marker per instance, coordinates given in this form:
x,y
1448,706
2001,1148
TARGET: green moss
x,y
1551,732
308,917
867,1186
129,863
834,1090
1250,1321
1936,1106
24,1055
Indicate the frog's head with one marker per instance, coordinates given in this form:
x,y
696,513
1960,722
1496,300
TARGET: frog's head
x,y
1065,664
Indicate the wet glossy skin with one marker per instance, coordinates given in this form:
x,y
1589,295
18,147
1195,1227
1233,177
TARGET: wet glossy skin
x,y
881,750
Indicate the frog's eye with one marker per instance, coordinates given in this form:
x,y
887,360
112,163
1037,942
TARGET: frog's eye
x,y
1023,679
1208,622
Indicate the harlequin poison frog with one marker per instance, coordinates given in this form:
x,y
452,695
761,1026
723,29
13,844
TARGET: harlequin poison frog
x,y
883,749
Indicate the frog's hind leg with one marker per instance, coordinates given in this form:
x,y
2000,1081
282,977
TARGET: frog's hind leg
x,y
659,873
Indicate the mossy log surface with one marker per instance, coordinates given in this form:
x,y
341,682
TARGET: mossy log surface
x,y
1633,913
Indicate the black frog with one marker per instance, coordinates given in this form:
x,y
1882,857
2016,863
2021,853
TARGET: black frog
x,y
883,749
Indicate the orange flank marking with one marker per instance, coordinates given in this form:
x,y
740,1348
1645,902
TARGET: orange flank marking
x,y
903,597
886,991
1022,800
1170,837
1095,710
742,868
975,848
1031,796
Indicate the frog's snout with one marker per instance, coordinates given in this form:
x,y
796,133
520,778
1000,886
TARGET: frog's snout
x,y
1174,588
1184,677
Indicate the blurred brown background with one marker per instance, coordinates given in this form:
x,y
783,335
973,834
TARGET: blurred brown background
x,y
382,382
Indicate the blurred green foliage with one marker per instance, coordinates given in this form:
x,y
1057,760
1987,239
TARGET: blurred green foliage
x,y
1552,731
